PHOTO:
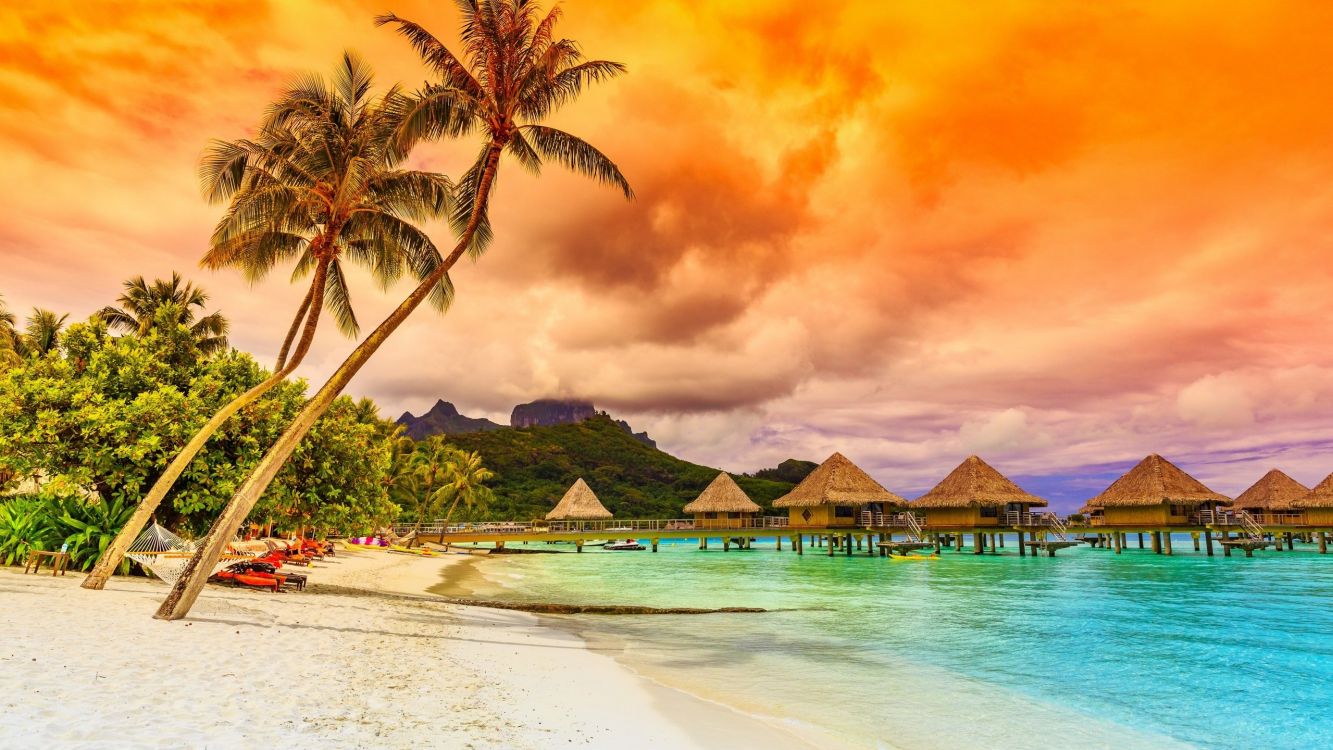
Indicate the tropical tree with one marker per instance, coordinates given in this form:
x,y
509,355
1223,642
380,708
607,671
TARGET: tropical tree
x,y
41,334
429,472
320,185
467,478
138,308
103,417
436,473
9,336
513,73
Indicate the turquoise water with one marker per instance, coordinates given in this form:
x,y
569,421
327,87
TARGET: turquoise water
x,y
1085,650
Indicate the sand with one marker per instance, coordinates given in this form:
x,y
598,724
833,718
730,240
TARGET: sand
x,y
87,669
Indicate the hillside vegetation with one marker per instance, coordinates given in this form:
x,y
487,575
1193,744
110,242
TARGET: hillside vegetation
x,y
535,465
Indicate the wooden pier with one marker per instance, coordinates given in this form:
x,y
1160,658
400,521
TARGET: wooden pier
x,y
897,534
839,509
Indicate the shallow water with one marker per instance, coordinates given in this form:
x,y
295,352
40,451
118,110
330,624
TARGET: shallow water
x,y
1088,649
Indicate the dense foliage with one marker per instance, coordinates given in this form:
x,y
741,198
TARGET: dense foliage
x,y
52,521
338,478
100,416
535,465
434,479
792,470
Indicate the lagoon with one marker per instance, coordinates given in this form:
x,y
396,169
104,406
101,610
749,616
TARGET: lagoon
x,y
1088,649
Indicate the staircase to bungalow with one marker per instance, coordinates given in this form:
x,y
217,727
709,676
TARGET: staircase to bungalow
x,y
914,531
1057,526
1251,526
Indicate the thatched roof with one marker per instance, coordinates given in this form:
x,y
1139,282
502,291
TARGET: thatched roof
x,y
837,481
1154,481
578,504
1320,497
723,495
975,482
1275,491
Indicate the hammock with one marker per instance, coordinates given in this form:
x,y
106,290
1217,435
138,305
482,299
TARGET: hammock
x,y
392,538
165,555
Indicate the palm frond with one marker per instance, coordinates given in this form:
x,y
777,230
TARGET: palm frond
x,y
521,150
466,196
552,90
117,319
435,54
338,301
354,80
576,154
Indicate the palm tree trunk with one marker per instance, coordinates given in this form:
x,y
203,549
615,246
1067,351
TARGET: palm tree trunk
x,y
452,506
115,552
296,326
192,580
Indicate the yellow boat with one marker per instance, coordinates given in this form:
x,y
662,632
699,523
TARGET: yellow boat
x,y
423,552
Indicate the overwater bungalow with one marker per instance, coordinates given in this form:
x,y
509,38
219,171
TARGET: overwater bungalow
x,y
722,504
834,494
1318,505
1271,500
975,495
1154,496
578,504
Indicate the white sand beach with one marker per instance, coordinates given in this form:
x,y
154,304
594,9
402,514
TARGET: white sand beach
x,y
87,669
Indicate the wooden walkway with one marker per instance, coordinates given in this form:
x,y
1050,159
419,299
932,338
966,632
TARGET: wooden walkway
x,y
886,534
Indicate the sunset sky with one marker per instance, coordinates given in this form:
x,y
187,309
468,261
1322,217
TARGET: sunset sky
x,y
1058,235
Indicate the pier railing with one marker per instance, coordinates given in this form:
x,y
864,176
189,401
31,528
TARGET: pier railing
x,y
1243,519
904,520
1028,518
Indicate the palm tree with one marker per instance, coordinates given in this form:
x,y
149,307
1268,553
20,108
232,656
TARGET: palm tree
x,y
41,334
437,472
141,301
514,72
428,469
9,336
320,185
467,478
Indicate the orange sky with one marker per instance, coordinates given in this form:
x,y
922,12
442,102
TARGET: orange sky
x,y
1057,234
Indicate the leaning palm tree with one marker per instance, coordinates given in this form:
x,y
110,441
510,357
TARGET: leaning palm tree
x,y
137,311
41,334
513,73
320,185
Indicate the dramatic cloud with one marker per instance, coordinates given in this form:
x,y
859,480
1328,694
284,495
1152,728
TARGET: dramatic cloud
x,y
1060,234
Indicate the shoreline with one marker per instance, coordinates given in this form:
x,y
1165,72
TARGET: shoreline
x,y
342,666
469,579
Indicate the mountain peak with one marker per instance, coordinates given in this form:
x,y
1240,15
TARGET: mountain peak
x,y
443,408
443,419
548,412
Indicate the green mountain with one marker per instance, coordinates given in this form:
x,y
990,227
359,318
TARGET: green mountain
x,y
792,470
535,465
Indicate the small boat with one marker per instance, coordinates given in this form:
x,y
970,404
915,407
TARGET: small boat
x,y
628,544
912,558
419,552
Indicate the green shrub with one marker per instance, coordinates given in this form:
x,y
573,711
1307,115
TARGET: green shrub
x,y
84,527
23,527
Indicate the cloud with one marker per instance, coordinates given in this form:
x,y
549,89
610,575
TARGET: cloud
x,y
1003,431
1216,401
1067,234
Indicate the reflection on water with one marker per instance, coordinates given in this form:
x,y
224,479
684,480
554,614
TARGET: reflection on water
x,y
1088,649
